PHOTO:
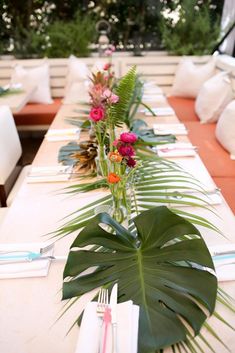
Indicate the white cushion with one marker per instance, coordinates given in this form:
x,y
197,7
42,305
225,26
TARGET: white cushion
x,y
189,77
77,72
37,76
21,178
225,129
10,147
3,213
213,97
78,92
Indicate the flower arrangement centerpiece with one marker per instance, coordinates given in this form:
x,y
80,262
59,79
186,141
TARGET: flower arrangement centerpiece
x,y
115,156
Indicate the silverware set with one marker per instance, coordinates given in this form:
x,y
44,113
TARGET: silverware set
x,y
106,311
21,256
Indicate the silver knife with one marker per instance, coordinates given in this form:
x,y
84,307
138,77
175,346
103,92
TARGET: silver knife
x,y
113,306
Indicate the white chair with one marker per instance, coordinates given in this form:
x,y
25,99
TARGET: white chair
x,y
11,173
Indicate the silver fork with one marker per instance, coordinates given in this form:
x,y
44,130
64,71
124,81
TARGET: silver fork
x,y
24,254
102,304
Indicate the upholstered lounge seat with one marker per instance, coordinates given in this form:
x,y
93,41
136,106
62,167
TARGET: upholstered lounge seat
x,y
214,156
37,114
184,108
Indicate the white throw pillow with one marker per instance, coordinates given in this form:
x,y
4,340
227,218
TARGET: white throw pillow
x,y
77,72
213,97
78,92
225,129
189,77
36,76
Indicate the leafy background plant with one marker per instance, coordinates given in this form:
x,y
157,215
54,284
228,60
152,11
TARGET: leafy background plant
x,y
195,33
71,37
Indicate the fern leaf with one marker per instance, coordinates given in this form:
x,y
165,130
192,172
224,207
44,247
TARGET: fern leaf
x,y
124,90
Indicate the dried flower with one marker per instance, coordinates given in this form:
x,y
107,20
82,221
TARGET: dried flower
x,y
97,114
126,150
128,137
115,157
113,178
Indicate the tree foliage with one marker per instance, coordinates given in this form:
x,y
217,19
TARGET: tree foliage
x,y
194,33
134,24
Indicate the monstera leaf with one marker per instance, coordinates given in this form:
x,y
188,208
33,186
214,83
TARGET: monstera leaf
x,y
161,267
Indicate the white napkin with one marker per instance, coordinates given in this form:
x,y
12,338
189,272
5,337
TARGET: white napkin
x,y
152,86
175,150
175,129
62,134
127,329
34,268
224,264
153,97
49,174
161,111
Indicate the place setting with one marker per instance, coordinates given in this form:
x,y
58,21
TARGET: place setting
x,y
47,174
178,149
113,326
70,134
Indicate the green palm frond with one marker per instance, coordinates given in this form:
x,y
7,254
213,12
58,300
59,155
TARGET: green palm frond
x,y
124,90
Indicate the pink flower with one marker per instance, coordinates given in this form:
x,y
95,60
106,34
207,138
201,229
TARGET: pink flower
x,y
131,162
115,142
97,114
108,52
96,92
128,137
114,98
126,150
112,47
111,97
107,66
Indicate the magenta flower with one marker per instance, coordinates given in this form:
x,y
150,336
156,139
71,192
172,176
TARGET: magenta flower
x,y
126,150
107,66
128,137
131,162
97,114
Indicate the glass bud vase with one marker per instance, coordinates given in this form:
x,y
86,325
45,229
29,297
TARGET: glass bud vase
x,y
101,162
121,204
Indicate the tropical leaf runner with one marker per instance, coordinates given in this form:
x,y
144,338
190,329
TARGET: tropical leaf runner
x,y
158,268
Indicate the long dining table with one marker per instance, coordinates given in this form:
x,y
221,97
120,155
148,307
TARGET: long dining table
x,y
30,308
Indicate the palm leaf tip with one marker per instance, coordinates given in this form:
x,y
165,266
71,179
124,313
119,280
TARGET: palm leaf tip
x,y
124,90
156,269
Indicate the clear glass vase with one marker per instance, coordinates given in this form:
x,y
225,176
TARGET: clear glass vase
x,y
101,162
121,203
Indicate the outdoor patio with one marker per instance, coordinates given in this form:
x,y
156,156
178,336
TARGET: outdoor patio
x,y
117,176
